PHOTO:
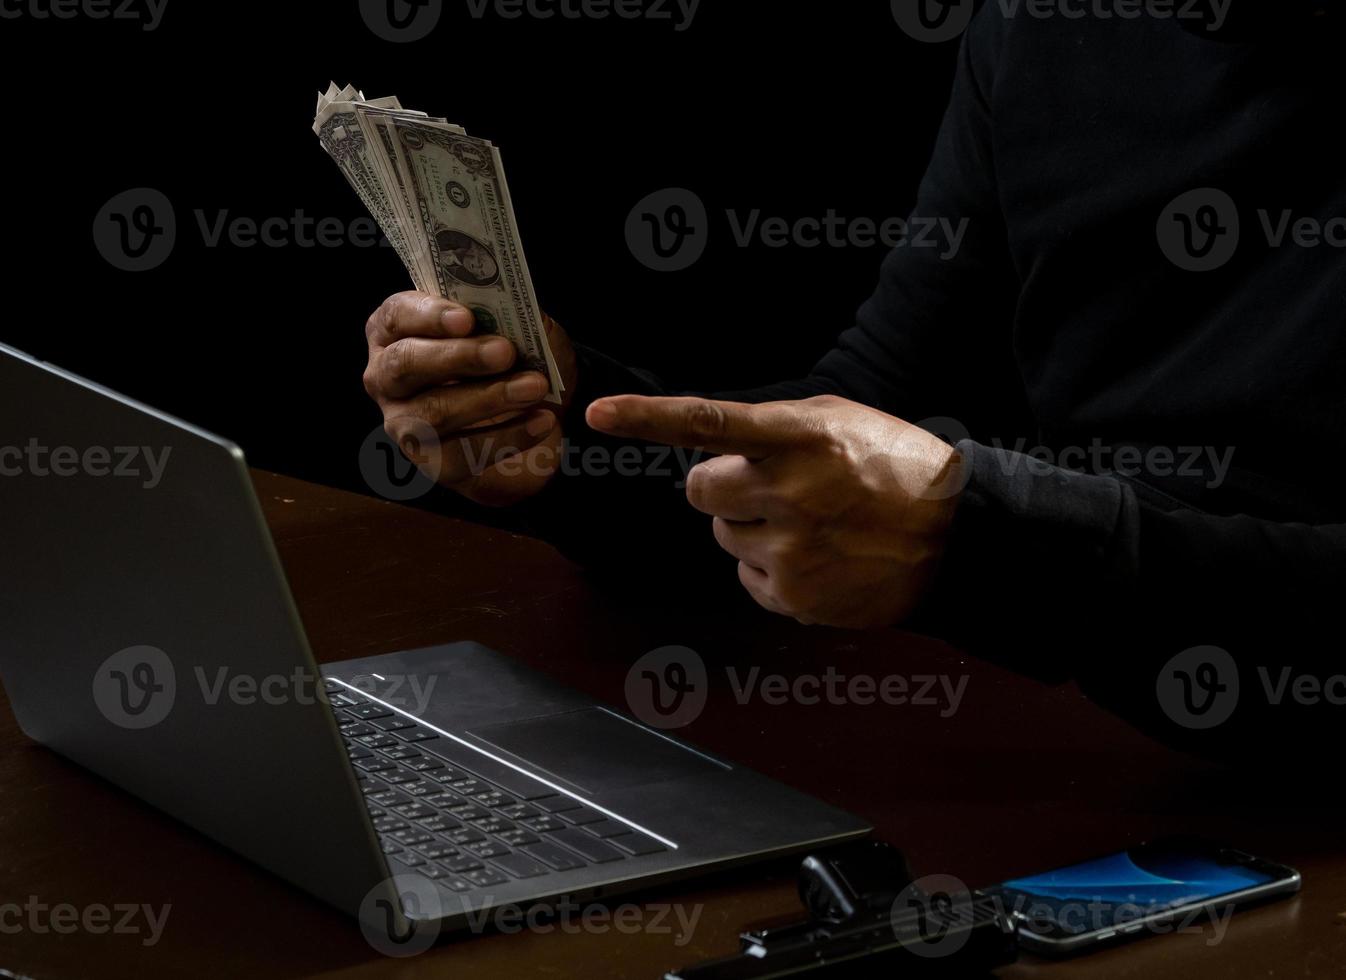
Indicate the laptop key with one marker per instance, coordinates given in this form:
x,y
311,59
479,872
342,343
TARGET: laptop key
x,y
389,797
376,740
447,775
436,851
520,865
418,788
418,734
411,860
469,811
415,811
488,849
521,785
357,730
527,789
399,776
492,825
358,752
462,863
606,828
493,798
374,765
485,877
439,824
517,838
518,811
411,836
390,847
555,804
543,824
588,847
423,764
464,835
455,884
432,871
581,816
367,712
556,857
393,724
386,825
399,751
637,844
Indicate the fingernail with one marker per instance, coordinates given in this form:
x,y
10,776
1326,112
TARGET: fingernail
x,y
602,415
540,425
496,354
457,320
526,389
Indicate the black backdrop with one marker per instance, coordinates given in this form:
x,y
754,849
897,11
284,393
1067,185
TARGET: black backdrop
x,y
792,108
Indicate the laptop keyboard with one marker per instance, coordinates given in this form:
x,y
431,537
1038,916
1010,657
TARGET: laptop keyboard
x,y
436,817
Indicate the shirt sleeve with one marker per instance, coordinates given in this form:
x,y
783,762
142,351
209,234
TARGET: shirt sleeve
x,y
1104,580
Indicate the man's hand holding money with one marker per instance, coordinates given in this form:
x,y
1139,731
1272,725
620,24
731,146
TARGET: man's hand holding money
x,y
457,404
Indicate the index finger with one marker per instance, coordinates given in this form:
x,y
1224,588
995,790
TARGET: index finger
x,y
413,314
752,431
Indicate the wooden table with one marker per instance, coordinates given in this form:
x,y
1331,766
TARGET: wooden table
x,y
1021,778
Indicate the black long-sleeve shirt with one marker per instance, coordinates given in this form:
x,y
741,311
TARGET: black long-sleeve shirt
x,y
1063,145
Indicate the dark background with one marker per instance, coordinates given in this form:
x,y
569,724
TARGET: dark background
x,y
793,108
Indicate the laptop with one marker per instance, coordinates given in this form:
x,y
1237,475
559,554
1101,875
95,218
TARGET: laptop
x,y
150,636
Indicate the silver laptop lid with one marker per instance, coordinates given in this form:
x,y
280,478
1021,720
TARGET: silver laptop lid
x,y
148,634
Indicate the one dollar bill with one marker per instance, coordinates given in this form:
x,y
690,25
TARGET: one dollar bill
x,y
440,197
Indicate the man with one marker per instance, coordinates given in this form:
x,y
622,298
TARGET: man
x,y
1189,425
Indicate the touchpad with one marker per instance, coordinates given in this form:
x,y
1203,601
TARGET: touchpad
x,y
594,750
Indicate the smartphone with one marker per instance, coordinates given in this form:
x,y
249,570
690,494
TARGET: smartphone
x,y
1162,886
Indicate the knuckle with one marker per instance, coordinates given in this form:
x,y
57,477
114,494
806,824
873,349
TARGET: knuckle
x,y
412,436
456,407
371,382
384,322
397,428
439,410
424,305
836,451
822,436
377,320
399,362
706,420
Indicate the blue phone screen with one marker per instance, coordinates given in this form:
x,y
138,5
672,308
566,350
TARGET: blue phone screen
x,y
1089,896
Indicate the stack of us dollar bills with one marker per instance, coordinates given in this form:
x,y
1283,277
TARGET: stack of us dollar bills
x,y
441,199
